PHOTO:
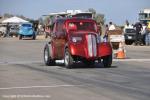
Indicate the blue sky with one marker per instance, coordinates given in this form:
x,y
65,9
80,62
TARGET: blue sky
x,y
116,11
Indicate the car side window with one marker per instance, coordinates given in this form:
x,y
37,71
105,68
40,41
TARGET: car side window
x,y
59,29
54,30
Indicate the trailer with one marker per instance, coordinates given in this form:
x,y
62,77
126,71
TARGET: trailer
x,y
117,39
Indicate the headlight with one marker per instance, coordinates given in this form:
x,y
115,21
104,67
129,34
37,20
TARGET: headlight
x,y
76,39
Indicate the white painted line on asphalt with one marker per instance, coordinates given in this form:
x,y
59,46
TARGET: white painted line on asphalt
x,y
20,62
62,61
29,87
136,60
117,60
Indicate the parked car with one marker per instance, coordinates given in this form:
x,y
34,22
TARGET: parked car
x,y
130,35
13,31
26,30
74,40
2,31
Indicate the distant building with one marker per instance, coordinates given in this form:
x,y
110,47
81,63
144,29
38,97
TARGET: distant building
x,y
1,18
144,15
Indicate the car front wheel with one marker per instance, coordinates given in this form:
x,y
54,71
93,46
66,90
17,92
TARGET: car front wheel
x,y
47,56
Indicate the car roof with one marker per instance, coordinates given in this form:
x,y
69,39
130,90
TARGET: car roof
x,y
26,23
75,19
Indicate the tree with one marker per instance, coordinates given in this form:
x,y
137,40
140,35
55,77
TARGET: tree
x,y
100,18
47,20
7,15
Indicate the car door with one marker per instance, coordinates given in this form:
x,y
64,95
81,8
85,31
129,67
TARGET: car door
x,y
59,40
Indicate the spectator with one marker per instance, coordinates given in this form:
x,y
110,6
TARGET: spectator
x,y
47,31
7,30
148,25
144,26
127,26
147,35
111,26
138,28
106,33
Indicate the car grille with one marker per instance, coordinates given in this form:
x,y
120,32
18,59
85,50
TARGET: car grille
x,y
91,44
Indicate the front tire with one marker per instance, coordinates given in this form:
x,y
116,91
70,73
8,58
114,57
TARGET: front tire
x,y
68,59
107,61
48,57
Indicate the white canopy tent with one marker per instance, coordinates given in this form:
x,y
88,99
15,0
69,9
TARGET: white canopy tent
x,y
14,20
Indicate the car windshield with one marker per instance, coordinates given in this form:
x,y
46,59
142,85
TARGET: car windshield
x,y
14,28
26,25
83,15
130,30
82,26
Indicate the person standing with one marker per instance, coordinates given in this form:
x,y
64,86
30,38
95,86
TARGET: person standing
x,y
111,26
47,31
7,30
106,33
127,26
147,35
138,28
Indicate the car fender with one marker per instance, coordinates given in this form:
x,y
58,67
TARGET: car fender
x,y
50,49
104,49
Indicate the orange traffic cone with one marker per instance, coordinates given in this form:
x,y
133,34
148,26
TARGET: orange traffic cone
x,y
121,52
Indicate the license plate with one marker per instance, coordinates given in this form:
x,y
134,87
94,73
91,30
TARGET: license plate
x,y
129,37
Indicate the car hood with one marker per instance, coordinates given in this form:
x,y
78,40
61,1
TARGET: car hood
x,y
130,33
26,30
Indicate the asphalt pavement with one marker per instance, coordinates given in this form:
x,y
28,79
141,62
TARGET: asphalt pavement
x,y
23,75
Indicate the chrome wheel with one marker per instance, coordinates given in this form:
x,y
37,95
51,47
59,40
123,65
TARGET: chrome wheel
x,y
46,55
68,59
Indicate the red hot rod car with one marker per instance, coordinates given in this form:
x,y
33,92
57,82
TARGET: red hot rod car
x,y
77,39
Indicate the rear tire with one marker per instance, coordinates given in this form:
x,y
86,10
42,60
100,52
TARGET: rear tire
x,y
20,37
107,61
68,59
34,37
48,57
128,42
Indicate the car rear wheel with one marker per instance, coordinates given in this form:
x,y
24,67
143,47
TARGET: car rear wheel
x,y
20,37
68,59
128,42
107,61
34,37
48,57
